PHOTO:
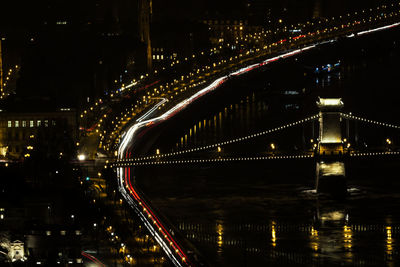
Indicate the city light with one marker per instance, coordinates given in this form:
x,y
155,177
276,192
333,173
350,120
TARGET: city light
x,y
126,83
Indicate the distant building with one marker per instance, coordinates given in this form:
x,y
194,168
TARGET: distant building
x,y
229,30
17,129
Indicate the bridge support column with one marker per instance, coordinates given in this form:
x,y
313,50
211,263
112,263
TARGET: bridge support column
x,y
331,178
330,168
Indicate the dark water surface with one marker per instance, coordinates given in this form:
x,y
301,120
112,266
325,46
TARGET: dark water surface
x,y
266,213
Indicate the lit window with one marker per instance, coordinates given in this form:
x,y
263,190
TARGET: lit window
x,y
154,57
9,124
158,57
16,123
46,123
38,123
23,123
31,124
162,56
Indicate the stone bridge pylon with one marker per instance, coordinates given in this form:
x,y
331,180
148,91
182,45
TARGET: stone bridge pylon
x,y
330,167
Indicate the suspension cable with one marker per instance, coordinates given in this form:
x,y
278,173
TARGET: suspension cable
x,y
232,141
366,154
352,117
125,163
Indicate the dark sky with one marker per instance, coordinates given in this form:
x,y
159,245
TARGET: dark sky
x,y
27,13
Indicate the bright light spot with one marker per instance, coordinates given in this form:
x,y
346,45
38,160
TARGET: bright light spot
x,y
330,102
332,169
81,157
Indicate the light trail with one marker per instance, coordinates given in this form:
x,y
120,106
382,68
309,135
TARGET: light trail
x,y
141,208
93,259
379,29
124,178
148,113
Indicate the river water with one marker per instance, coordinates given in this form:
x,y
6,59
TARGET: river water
x,y
266,213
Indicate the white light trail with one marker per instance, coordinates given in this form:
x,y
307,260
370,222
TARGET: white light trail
x,y
379,29
148,113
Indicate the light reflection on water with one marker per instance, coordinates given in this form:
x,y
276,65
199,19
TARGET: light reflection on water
x,y
331,241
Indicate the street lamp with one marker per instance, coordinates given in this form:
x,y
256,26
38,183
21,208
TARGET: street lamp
x,y
273,147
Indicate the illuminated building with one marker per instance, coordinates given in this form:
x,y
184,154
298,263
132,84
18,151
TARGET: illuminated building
x,y
228,30
18,129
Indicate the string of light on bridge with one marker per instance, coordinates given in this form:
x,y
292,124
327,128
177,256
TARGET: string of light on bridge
x,y
366,154
232,141
350,116
191,161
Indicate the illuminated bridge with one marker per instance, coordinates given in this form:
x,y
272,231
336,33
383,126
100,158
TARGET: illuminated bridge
x,y
329,152
329,149
329,145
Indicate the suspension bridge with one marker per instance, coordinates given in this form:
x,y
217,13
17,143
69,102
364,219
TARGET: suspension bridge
x,y
329,154
330,143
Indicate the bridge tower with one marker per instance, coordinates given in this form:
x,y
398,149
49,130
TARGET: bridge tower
x,y
330,169
330,131
145,13
317,9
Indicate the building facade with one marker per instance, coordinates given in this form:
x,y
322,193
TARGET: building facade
x,y
17,130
